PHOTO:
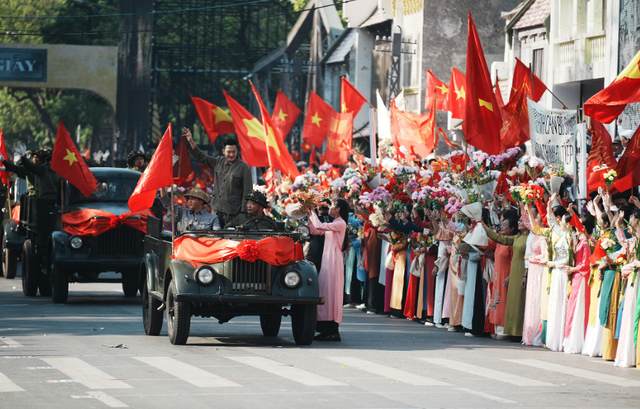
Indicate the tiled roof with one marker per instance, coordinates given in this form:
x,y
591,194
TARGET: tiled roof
x,y
535,15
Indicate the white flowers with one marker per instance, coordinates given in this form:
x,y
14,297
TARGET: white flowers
x,y
607,243
532,161
406,169
377,219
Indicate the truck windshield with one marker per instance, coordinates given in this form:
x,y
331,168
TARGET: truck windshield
x,y
108,190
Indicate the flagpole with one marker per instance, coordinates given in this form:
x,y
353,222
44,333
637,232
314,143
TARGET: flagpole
x,y
61,196
372,138
465,161
173,223
435,120
550,92
9,193
533,90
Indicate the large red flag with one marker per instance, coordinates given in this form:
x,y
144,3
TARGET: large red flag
x,y
446,140
250,134
522,79
609,103
157,175
628,168
339,138
316,121
438,90
482,114
4,175
413,131
214,120
456,94
351,100
67,162
278,155
182,168
498,93
285,114
515,124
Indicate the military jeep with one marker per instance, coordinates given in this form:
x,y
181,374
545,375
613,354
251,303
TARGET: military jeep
x,y
228,289
53,258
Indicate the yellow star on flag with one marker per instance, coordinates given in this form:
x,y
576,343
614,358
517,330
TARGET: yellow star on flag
x,y
485,104
283,116
344,108
221,115
460,93
271,140
316,120
443,89
632,70
254,128
71,157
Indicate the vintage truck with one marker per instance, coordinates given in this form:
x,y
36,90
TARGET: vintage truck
x,y
14,235
84,237
225,274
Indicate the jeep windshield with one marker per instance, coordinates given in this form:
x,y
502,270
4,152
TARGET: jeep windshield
x,y
108,190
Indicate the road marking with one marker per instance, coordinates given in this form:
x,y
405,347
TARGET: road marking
x,y
11,342
186,372
486,372
7,386
486,395
390,373
580,373
89,376
107,400
287,371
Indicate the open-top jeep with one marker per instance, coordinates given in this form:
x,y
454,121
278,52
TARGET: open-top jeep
x,y
83,238
226,274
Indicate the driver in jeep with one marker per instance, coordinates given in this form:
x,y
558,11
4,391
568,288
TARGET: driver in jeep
x,y
258,220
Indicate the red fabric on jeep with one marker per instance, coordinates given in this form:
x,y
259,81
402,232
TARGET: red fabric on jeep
x,y
92,222
278,251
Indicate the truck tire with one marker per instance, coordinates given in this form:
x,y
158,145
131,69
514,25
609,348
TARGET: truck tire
x,y
9,263
59,285
45,285
303,323
30,267
130,288
178,317
270,324
151,317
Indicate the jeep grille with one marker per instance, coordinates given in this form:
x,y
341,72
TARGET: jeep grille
x,y
250,278
121,242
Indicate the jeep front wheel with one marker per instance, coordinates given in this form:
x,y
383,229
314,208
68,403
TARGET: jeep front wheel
x,y
130,288
178,317
303,323
270,324
151,317
9,263
30,270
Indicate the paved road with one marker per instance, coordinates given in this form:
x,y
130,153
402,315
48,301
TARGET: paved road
x,y
65,356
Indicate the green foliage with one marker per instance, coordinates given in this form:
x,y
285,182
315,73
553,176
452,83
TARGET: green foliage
x,y
31,115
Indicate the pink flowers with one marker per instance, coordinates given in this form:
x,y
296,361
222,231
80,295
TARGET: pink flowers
x,y
379,196
453,205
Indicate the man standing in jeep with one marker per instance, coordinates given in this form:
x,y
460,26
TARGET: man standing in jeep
x,y
232,178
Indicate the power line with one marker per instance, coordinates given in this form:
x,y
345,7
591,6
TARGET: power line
x,y
6,32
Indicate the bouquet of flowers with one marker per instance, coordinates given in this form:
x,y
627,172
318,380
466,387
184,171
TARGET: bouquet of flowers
x,y
505,161
610,177
377,218
526,193
379,197
420,240
401,201
533,166
397,237
404,173
305,181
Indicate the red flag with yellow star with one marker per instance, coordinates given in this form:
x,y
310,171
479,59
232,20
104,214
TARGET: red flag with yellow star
x,y
339,138
67,162
522,79
306,147
628,167
438,90
413,131
285,114
316,121
250,134
214,120
601,153
457,94
351,100
277,153
157,175
482,113
609,103
515,125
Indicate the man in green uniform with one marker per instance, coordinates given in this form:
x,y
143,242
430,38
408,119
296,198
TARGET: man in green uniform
x,y
41,180
256,203
136,161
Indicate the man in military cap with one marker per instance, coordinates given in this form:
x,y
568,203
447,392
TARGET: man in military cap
x,y
41,180
194,216
256,203
136,161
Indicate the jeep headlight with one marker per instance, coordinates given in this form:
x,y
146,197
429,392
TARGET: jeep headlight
x,y
292,279
205,275
305,231
75,242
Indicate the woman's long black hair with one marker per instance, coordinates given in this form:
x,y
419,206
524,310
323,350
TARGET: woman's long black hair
x,y
343,207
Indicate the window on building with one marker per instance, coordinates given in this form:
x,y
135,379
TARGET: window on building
x,y
407,65
538,63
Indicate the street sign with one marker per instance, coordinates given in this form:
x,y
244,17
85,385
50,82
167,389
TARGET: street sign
x,y
20,64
